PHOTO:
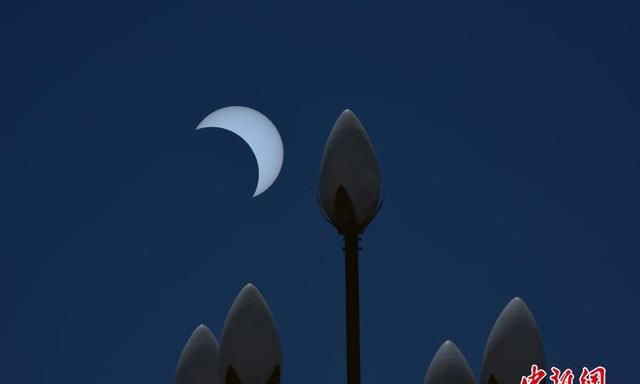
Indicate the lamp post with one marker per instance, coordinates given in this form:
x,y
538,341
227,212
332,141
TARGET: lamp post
x,y
349,197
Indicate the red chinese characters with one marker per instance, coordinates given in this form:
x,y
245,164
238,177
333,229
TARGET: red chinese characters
x,y
595,376
535,377
558,377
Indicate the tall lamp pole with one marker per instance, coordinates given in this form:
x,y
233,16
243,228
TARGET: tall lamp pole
x,y
350,198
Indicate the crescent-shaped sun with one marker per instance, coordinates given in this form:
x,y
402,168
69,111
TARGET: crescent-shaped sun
x,y
259,133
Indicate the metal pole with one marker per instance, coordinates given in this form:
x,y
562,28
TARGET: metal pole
x,y
351,249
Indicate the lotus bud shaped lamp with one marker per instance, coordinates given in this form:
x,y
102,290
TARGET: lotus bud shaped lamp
x,y
350,198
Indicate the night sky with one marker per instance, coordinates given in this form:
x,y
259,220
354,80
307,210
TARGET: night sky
x,y
507,137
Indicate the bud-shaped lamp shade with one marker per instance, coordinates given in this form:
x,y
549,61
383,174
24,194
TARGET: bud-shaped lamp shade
x,y
350,183
198,362
449,367
514,344
250,347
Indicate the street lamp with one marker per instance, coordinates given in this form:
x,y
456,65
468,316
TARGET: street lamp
x,y
349,197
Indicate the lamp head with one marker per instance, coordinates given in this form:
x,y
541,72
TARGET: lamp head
x,y
350,185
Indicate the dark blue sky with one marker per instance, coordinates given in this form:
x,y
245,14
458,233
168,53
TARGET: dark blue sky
x,y
507,137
